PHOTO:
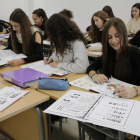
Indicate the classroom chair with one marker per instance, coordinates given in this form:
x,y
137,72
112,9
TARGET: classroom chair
x,y
93,131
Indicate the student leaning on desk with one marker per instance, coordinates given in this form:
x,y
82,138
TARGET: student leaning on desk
x,y
118,60
24,38
98,21
68,45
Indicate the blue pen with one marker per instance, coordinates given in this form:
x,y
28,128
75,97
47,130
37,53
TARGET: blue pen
x,y
2,26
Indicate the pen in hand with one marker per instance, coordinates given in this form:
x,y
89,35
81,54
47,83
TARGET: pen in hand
x,y
118,87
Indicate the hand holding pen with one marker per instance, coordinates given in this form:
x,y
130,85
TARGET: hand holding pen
x,y
125,92
47,60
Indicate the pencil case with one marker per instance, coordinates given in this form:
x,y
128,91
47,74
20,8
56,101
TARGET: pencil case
x,y
53,84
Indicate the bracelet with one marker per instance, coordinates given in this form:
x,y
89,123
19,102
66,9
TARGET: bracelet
x,y
92,75
136,91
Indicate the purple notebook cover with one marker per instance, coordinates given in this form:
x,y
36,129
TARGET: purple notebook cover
x,y
22,76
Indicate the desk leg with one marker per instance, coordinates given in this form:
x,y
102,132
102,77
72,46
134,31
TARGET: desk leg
x,y
49,121
40,123
121,135
60,128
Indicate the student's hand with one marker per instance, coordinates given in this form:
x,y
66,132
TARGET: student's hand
x,y
99,78
53,64
47,60
126,92
4,31
15,62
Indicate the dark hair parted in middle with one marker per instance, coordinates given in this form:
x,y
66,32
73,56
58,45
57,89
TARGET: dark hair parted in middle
x,y
122,66
109,11
137,5
41,13
61,31
94,32
67,13
20,17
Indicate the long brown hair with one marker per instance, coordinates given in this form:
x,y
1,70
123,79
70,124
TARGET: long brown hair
x,y
122,65
62,32
109,11
67,13
41,13
22,19
94,32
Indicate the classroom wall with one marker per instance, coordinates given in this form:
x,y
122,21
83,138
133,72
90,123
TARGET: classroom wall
x,y
82,9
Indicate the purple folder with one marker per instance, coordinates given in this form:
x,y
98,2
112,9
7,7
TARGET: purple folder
x,y
24,77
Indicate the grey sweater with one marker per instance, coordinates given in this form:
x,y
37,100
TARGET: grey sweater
x,y
75,60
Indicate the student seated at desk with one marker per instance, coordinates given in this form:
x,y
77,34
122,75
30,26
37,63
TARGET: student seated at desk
x,y
109,11
133,25
68,45
68,14
25,38
118,60
39,17
97,26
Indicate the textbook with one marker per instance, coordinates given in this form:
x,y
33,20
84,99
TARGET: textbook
x,y
46,68
100,109
105,88
9,95
7,55
95,53
24,77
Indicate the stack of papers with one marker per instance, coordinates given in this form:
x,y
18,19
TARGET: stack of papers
x,y
4,36
7,55
94,44
46,42
47,69
95,53
9,95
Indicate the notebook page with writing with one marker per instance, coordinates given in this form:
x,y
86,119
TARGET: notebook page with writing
x,y
47,69
106,88
9,95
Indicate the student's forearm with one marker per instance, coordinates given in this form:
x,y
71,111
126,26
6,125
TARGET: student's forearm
x,y
92,72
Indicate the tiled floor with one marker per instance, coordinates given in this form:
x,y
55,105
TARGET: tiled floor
x,y
70,130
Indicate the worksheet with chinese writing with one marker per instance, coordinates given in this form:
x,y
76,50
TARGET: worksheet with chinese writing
x,y
112,111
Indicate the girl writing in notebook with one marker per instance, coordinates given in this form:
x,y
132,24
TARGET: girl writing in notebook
x,y
109,11
97,26
68,45
24,38
39,17
118,60
133,25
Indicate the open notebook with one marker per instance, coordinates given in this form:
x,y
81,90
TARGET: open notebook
x,y
47,69
99,109
106,88
7,55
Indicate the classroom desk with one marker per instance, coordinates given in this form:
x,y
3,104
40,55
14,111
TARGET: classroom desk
x,y
23,119
55,76
2,47
54,94
91,55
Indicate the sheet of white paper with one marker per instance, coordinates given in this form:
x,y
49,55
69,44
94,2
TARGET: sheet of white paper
x,y
74,103
46,42
106,88
95,53
47,69
7,55
4,35
95,44
112,111
9,95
